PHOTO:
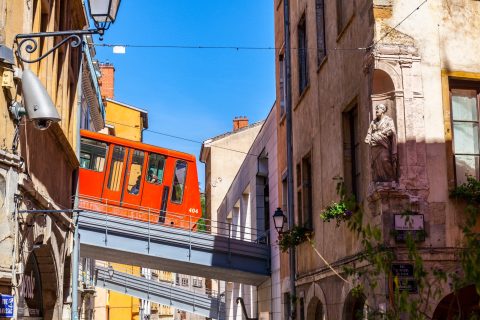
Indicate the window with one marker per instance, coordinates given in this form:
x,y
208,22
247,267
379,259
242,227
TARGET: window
x,y
178,184
307,192
92,154
302,309
302,55
116,168
321,45
304,193
135,177
156,166
465,121
284,194
299,194
344,12
287,310
177,280
281,61
351,152
197,283
185,282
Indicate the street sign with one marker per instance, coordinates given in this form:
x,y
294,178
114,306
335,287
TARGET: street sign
x,y
408,285
404,278
402,270
6,306
411,224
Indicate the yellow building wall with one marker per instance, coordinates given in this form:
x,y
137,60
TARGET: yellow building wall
x,y
127,122
121,306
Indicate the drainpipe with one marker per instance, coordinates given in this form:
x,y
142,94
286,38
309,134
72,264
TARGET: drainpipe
x,y
76,237
288,114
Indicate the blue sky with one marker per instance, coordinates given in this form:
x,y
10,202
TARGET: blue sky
x,y
193,93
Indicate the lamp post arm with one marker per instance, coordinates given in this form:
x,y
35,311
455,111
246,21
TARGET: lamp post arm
x,y
29,43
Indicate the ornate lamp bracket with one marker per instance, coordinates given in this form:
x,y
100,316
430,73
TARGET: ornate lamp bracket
x,y
28,42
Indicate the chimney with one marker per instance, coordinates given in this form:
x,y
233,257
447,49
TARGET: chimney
x,y
107,80
240,122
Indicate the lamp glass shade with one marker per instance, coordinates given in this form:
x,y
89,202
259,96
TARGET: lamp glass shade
x,y
279,220
103,11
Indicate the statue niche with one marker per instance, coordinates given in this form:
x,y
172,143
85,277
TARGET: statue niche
x,y
382,139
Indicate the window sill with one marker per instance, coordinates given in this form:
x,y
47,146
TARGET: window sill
x,y
344,28
322,63
300,98
282,118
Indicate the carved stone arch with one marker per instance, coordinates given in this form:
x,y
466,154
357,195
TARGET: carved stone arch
x,y
384,91
354,307
316,303
461,303
392,71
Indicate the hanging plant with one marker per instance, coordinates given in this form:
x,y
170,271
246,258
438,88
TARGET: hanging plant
x,y
338,211
293,237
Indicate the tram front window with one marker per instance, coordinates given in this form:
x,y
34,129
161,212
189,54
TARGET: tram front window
x,y
179,181
92,154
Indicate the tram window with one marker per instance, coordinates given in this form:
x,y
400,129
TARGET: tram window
x,y
156,165
136,172
178,185
116,169
92,154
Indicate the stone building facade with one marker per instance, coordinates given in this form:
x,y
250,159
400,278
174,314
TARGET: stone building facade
x,y
247,208
349,56
38,168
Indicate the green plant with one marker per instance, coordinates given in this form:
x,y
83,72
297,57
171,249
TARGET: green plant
x,y
342,210
293,237
337,211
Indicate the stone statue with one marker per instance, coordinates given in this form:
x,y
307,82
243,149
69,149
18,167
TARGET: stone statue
x,y
382,139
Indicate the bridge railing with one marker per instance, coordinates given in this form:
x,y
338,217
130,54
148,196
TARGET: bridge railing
x,y
178,221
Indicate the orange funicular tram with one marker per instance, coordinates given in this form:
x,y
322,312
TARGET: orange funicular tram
x,y
138,181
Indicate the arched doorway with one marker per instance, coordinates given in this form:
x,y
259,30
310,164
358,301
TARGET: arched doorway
x,y
315,310
354,307
460,305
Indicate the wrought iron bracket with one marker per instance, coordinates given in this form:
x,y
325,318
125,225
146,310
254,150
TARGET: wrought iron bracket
x,y
28,42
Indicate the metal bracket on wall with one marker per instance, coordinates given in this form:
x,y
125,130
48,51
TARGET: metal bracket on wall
x,y
244,310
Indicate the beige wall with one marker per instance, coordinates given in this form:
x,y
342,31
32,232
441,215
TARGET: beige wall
x,y
223,156
243,206
437,41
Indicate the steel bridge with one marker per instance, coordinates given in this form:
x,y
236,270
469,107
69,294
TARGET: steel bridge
x,y
193,301
156,246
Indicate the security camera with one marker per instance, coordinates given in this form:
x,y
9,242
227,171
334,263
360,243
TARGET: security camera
x,y
37,102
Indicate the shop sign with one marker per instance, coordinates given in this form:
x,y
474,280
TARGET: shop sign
x,y
411,224
6,306
30,303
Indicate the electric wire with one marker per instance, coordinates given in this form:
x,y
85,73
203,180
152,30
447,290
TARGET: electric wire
x,y
398,24
185,139
235,48
255,48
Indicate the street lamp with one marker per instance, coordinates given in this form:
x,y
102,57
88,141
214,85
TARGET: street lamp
x,y
103,13
279,220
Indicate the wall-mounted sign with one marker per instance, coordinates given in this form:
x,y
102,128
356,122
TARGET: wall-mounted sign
x,y
6,306
411,224
408,285
30,302
402,270
403,277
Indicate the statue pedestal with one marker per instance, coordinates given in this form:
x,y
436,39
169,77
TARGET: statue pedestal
x,y
385,199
